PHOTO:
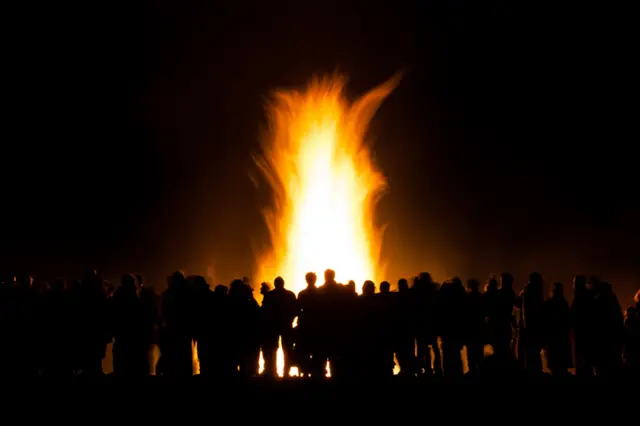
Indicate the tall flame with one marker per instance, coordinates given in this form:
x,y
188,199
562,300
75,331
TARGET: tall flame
x,y
325,184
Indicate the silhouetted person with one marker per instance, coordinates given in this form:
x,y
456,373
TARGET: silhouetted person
x,y
386,323
475,325
37,318
244,338
370,350
252,356
7,298
279,306
558,332
58,364
309,323
76,329
18,341
532,323
498,327
264,333
504,316
632,341
583,324
331,336
176,346
609,329
94,330
403,330
222,365
631,351
203,323
452,326
426,314
150,302
351,287
130,348
109,289
349,359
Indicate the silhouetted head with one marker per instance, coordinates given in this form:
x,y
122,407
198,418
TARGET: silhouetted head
x,y
75,285
200,283
91,281
535,278
177,281
534,286
595,283
109,289
220,289
426,278
236,288
558,290
492,284
403,285
351,287
416,281
456,282
140,280
311,279
264,288
90,274
385,287
579,284
368,288
473,285
506,281
59,285
279,283
329,275
41,287
128,284
26,282
247,291
630,315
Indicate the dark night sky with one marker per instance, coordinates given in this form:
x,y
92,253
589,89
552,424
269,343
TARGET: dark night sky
x,y
508,145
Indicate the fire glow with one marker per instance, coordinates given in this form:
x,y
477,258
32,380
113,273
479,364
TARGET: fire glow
x,y
324,182
325,185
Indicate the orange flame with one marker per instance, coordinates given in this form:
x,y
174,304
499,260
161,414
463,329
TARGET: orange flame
x,y
325,184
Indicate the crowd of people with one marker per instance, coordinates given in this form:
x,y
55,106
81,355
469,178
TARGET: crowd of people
x,y
60,330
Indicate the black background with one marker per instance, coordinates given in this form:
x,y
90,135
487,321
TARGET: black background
x,y
509,144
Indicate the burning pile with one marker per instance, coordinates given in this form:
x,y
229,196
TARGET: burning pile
x,y
325,184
